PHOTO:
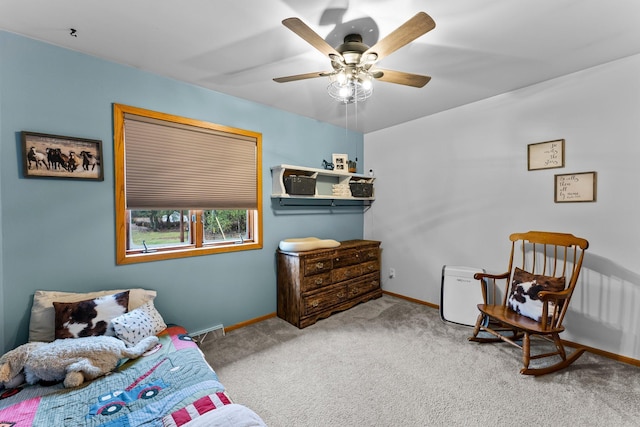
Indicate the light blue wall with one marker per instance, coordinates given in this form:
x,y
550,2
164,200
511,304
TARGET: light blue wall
x,y
59,234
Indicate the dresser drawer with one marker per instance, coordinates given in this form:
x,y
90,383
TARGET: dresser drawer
x,y
317,281
363,285
346,257
345,273
320,300
317,265
370,267
370,254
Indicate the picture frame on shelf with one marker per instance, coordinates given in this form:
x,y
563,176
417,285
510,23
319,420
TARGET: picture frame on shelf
x,y
575,187
64,157
340,163
545,155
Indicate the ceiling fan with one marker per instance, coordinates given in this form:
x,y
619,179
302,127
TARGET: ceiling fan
x,y
353,62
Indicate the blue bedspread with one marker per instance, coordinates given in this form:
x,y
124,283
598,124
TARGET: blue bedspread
x,y
168,386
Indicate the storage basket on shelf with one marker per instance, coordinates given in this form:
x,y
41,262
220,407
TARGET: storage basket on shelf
x,y
361,189
300,185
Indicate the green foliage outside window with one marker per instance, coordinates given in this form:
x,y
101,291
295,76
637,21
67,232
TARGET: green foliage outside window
x,y
166,227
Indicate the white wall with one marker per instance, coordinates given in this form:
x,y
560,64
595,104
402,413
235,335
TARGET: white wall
x,y
451,187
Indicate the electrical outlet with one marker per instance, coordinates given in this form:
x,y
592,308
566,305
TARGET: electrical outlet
x,y
392,273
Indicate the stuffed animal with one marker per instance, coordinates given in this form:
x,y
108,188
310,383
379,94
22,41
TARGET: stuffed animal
x,y
12,363
73,360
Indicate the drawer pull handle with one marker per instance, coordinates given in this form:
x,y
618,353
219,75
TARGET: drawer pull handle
x,y
340,295
337,259
371,267
355,291
315,304
319,265
318,281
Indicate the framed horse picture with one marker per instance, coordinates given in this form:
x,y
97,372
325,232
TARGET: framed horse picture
x,y
66,157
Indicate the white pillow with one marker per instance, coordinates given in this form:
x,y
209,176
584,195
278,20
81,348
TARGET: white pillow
x,y
43,316
307,244
140,323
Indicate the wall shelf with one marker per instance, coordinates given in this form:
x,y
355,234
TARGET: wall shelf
x,y
324,186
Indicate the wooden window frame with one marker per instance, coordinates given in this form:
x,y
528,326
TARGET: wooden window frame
x,y
198,248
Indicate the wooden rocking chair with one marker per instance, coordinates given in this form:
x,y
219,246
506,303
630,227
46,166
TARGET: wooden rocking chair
x,y
543,272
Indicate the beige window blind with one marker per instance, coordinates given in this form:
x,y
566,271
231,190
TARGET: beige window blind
x,y
173,165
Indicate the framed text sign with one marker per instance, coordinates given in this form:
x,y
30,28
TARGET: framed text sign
x,y
575,187
545,155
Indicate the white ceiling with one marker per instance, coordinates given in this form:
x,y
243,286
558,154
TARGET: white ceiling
x,y
479,48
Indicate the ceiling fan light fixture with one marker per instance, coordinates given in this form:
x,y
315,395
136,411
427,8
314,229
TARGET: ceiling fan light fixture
x,y
345,91
366,79
353,89
341,77
368,58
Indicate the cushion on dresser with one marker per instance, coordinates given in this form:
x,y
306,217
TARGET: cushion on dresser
x,y
307,244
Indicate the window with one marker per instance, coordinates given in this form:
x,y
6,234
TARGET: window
x,y
184,187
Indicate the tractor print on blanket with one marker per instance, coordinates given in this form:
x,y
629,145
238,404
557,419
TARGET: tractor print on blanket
x,y
167,399
112,403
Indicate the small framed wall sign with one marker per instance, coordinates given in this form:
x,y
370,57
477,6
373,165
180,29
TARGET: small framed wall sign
x,y
575,187
545,155
340,163
54,156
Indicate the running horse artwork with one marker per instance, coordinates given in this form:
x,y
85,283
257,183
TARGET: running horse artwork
x,y
89,160
54,156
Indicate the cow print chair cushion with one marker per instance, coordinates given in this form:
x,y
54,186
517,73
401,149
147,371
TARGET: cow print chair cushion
x,y
523,298
89,317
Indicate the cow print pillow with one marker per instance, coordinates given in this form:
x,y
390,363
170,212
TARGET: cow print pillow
x,y
523,298
89,317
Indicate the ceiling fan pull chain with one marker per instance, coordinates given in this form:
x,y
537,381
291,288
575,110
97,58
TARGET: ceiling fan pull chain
x,y
355,111
346,123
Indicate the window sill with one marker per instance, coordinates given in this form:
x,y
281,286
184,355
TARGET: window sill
x,y
134,258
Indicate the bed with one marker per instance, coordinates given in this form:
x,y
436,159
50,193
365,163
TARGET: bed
x,y
169,385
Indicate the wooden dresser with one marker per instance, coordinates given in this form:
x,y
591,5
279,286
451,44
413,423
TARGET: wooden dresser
x,y
314,284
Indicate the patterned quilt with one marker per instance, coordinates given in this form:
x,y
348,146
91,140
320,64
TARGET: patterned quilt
x,y
169,386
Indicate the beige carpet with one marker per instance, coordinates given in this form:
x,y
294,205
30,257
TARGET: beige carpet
x,y
390,362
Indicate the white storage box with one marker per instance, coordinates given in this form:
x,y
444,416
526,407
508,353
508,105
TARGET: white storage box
x,y
460,295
